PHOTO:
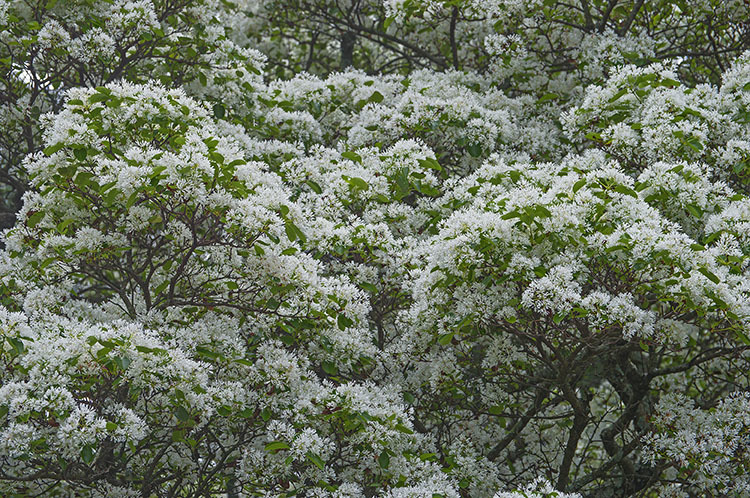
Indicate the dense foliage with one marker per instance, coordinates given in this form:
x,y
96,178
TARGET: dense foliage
x,y
439,248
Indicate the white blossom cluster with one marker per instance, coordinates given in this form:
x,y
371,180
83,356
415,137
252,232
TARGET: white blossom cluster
x,y
226,284
709,446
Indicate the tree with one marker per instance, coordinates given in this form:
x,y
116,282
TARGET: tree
x,y
503,253
49,47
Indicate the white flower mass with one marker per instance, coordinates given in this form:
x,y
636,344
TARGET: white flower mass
x,y
374,248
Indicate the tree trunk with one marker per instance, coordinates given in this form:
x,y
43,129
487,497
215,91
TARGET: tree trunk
x,y
347,49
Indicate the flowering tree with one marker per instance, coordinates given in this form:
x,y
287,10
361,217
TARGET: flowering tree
x,y
504,253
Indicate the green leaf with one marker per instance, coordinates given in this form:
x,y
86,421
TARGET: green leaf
x,y
131,200
330,368
178,436
16,344
402,181
161,287
618,95
542,212
444,339
430,163
63,225
353,156
103,352
316,460
343,321
122,361
291,233
384,460
207,353
596,137
403,429
578,185
276,446
376,97
496,410
87,454
710,275
182,414
622,189
219,111
369,287
694,210
98,97
547,97
475,150
34,219
53,148
358,183
314,186
694,144
83,179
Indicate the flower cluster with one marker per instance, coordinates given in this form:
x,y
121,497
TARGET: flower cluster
x,y
525,280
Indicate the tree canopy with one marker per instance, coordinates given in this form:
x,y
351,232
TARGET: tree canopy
x,y
401,248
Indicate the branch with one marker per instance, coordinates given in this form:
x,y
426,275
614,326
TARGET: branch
x,y
605,17
580,419
587,15
633,13
517,428
454,48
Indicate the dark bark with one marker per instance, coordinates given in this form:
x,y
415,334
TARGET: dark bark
x,y
348,39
